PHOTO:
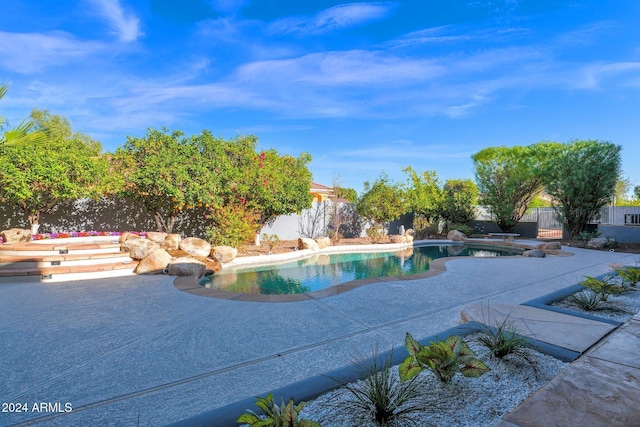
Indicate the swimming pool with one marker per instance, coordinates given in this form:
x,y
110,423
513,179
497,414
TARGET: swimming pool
x,y
323,271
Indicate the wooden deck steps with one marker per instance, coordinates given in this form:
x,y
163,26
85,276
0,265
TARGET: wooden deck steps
x,y
62,261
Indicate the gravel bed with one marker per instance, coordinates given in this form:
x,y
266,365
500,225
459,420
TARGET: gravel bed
x,y
482,401
617,307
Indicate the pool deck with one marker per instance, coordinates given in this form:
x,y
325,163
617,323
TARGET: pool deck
x,y
131,350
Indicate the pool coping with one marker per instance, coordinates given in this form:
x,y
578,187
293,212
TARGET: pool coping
x,y
190,284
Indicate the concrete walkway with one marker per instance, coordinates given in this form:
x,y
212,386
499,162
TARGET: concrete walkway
x,y
138,351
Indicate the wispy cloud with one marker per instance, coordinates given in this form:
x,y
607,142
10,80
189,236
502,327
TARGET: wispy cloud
x,y
125,25
333,19
28,53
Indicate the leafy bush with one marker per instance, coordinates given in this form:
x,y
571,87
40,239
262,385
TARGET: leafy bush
x,y
233,225
375,233
604,287
586,236
285,415
630,275
443,358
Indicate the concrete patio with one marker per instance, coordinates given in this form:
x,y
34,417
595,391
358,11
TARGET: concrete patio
x,y
124,349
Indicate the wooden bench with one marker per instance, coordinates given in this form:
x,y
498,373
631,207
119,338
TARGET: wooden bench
x,y
505,236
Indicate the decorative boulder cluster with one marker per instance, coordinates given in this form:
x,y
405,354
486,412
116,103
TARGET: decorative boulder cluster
x,y
170,254
14,235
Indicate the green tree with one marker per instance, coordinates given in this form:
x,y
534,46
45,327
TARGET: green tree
x,y
38,177
581,179
636,192
167,173
25,132
509,179
381,202
423,194
460,197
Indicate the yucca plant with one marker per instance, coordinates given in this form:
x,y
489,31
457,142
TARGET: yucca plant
x,y
630,275
285,415
587,300
443,358
501,340
602,287
380,395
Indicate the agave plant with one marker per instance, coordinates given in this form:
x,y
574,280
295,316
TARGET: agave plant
x,y
630,275
587,300
443,358
602,287
285,415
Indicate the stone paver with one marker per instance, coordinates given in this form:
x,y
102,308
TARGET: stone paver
x,y
130,348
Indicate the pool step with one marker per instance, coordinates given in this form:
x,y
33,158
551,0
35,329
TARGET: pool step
x,y
54,262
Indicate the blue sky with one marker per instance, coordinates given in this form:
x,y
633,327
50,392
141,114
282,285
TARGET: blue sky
x,y
364,87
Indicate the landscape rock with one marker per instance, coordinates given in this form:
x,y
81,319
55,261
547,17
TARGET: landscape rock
x,y
409,237
186,266
410,232
598,243
196,247
171,242
550,246
323,242
395,238
13,235
154,263
139,248
126,236
534,253
456,236
224,253
306,243
212,266
156,236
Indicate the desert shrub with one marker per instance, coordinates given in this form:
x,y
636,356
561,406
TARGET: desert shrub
x,y
501,340
375,233
233,225
270,241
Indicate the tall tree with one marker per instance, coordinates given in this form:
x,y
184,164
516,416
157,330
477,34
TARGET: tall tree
x,y
582,178
39,176
459,201
509,179
166,173
382,201
423,194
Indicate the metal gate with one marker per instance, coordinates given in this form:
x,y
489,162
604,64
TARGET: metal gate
x,y
548,225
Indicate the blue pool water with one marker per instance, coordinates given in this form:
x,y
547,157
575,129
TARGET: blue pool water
x,y
323,271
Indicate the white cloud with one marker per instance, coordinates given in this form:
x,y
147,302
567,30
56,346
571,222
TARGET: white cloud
x,y
28,53
335,18
125,26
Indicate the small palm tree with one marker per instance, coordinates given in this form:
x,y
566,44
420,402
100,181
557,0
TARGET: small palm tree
x,y
25,132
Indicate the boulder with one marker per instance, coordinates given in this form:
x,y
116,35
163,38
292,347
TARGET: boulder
x,y
598,243
224,253
212,266
410,232
534,253
154,263
395,238
127,236
409,237
171,242
456,236
323,242
13,235
156,236
306,243
186,266
139,248
196,247
552,246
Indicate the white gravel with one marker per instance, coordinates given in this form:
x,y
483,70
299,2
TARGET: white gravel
x,y
482,401
617,307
